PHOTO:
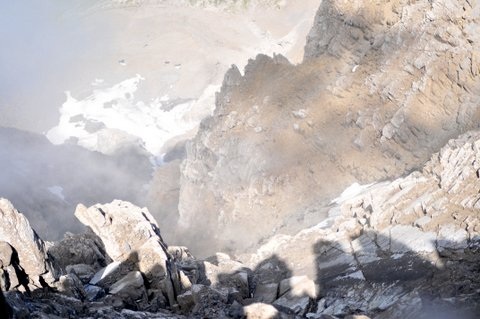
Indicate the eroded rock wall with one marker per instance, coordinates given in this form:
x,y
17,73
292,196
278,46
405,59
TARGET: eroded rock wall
x,y
383,85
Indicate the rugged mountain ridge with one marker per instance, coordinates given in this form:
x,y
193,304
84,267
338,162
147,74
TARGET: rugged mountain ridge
x,y
407,248
382,86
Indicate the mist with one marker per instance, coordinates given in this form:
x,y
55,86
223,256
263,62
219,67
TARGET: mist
x,y
49,47
46,182
56,51
43,43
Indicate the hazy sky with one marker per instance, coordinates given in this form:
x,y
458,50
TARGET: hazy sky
x,y
52,46
41,42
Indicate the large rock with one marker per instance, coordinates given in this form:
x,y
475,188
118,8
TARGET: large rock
x,y
131,236
12,274
85,248
30,248
130,288
260,311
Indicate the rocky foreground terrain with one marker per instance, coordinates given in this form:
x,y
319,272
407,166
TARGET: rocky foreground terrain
x,y
402,249
386,101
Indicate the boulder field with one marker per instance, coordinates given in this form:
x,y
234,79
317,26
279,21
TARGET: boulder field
x,y
405,248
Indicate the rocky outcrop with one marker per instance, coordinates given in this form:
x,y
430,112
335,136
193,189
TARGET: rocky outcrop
x,y
20,245
392,248
132,240
382,87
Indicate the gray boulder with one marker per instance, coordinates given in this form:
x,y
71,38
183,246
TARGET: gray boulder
x,y
31,249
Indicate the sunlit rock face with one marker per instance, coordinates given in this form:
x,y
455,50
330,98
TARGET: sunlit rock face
x,y
25,262
382,86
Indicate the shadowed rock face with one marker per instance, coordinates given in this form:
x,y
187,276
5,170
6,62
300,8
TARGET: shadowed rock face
x,y
394,245
132,236
5,309
26,246
381,88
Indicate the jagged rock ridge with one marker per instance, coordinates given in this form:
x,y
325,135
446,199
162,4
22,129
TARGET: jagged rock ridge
x,y
382,86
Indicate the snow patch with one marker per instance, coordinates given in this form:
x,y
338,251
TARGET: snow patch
x,y
95,121
352,191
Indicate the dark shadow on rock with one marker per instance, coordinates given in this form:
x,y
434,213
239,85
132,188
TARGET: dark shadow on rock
x,y
383,278
5,309
371,275
264,286
85,248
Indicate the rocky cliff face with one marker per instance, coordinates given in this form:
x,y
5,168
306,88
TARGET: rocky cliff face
x,y
402,249
382,87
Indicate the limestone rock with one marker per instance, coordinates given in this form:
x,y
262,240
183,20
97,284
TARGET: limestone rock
x,y
132,238
93,293
209,302
266,292
186,301
393,258
298,286
32,252
130,288
84,272
221,271
261,311
70,285
85,248
13,276
109,274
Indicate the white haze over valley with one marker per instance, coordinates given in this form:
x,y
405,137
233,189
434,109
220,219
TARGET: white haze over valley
x,y
111,117
92,93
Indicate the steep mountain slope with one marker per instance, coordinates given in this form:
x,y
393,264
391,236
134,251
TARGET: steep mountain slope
x,y
382,86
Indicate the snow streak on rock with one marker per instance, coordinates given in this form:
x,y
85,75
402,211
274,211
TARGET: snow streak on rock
x,y
111,118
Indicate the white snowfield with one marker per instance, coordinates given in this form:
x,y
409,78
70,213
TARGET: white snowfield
x,y
111,117
180,54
